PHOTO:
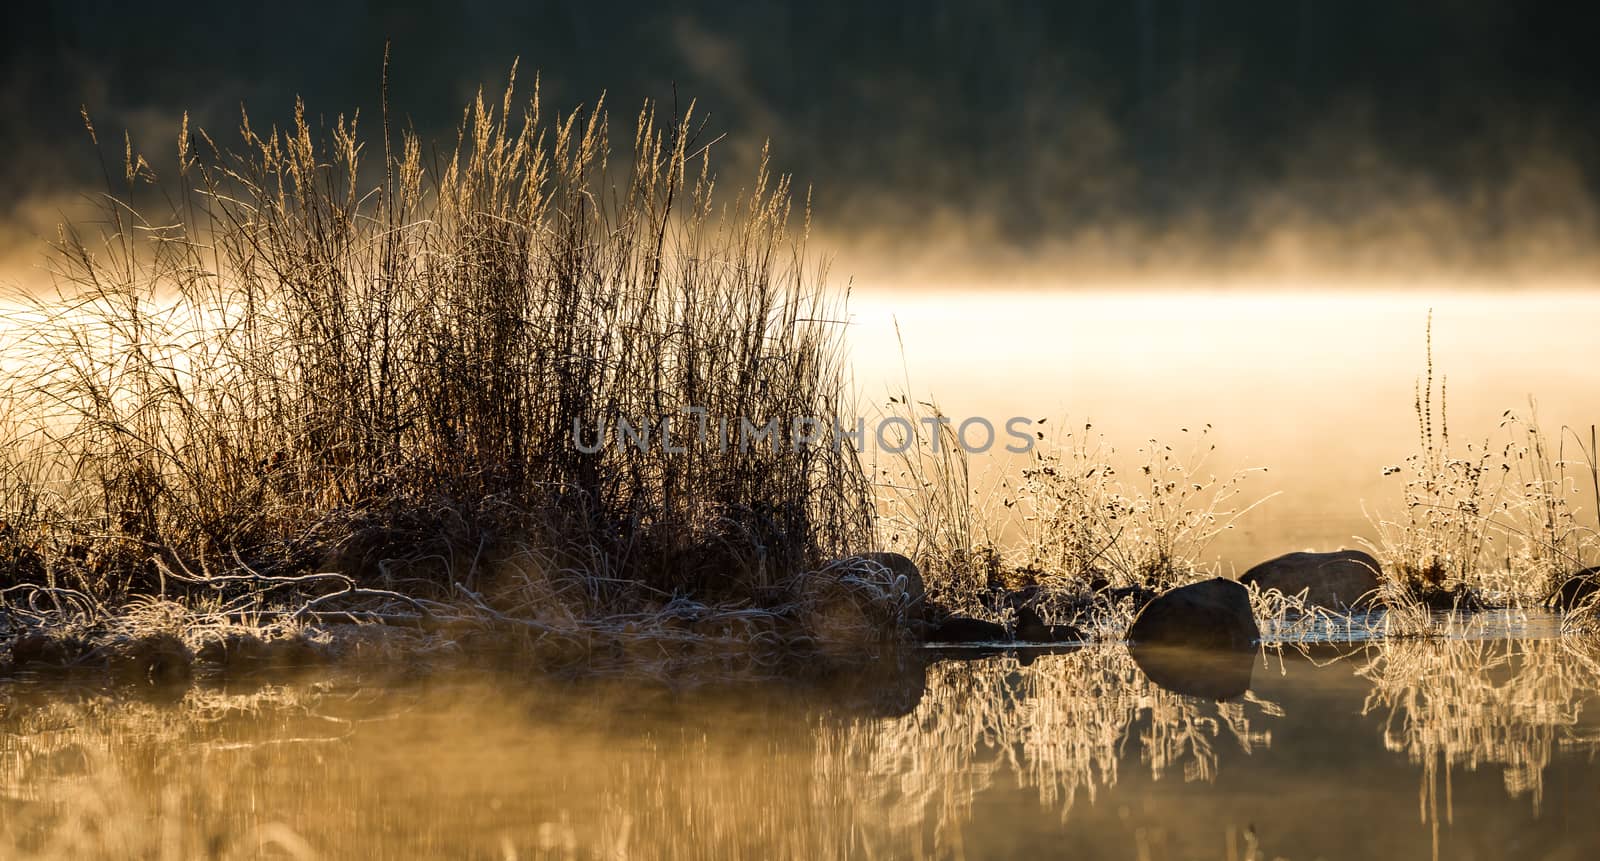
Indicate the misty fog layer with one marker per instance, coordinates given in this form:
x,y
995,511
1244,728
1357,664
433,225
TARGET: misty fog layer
x,y
1167,135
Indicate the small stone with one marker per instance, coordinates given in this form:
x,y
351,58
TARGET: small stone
x,y
964,629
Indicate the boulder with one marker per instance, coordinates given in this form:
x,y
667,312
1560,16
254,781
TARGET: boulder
x,y
1340,580
964,629
902,566
1210,614
856,600
1576,590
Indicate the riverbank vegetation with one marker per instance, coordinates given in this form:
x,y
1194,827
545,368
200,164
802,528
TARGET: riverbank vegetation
x,y
320,382
312,388
1498,522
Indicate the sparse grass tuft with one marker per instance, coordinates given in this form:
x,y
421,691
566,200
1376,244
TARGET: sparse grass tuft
x,y
1065,521
1434,552
1082,523
931,509
1496,525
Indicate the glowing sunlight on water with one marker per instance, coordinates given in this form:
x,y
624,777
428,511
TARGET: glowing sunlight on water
x,y
1315,384
1434,749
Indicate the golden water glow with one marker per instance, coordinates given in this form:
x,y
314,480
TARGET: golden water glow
x,y
998,755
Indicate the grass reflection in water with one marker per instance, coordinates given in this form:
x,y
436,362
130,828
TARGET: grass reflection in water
x,y
992,755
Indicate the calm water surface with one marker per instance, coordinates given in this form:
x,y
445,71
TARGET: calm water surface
x,y
1461,748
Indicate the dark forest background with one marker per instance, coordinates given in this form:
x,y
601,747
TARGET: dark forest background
x,y
1031,125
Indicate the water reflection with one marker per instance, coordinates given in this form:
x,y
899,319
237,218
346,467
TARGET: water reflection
x,y
1062,726
1119,755
1213,674
1510,704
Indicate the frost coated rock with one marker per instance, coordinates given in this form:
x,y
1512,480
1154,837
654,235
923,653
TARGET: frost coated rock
x,y
1211,614
1576,590
857,600
906,580
1340,580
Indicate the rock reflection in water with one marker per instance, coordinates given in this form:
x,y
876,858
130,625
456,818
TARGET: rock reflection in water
x,y
1216,674
1061,724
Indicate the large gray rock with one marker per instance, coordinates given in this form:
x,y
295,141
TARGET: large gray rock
x,y
1211,614
1576,590
1340,580
898,566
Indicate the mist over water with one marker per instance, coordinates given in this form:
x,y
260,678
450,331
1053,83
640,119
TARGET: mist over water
x,y
1316,382
317,580
1409,749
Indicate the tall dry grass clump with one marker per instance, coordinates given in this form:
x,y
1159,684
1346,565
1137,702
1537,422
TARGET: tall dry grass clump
x,y
334,353
932,508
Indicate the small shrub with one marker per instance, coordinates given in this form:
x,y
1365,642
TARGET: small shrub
x,y
1451,501
1083,524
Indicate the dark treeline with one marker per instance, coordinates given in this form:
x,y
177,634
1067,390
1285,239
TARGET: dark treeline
x,y
1038,118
